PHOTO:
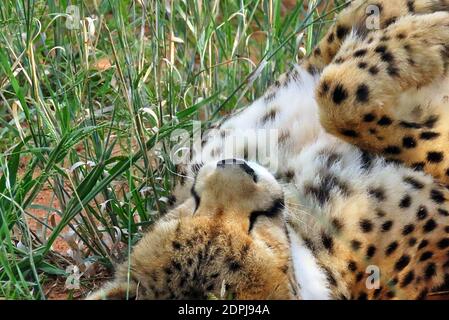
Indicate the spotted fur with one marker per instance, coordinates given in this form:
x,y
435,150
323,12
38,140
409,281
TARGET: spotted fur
x,y
358,171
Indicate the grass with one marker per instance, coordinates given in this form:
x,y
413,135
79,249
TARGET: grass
x,y
87,108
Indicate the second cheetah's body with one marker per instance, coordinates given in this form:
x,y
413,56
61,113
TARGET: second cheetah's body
x,y
349,213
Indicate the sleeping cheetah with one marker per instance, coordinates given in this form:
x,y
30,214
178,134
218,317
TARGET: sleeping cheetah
x,y
338,222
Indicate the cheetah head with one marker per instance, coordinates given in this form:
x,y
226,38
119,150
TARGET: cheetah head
x,y
229,240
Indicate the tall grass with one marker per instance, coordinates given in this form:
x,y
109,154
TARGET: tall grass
x,y
87,108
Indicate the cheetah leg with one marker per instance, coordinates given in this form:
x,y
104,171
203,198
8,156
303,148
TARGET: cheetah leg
x,y
363,94
364,17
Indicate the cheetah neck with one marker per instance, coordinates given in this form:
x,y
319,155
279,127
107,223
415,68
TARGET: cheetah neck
x,y
310,277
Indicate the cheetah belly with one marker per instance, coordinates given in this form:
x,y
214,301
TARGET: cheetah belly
x,y
290,112
309,276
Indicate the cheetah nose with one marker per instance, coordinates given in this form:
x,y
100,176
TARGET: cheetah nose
x,y
236,163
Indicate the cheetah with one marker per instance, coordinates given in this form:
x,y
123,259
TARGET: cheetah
x,y
336,214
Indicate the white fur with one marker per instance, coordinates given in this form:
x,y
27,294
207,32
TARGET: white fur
x,y
298,114
311,279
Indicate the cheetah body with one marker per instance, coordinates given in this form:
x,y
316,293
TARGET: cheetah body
x,y
348,212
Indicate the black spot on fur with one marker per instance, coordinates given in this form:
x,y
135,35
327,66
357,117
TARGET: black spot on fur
x,y
405,202
408,229
340,94
437,196
423,244
378,193
418,166
371,251
422,213
324,87
342,31
407,279
386,226
430,270
384,121
373,70
414,183
392,150
410,125
349,133
355,245
429,135
313,70
360,53
443,212
362,65
352,266
412,242
409,142
327,241
367,160
369,117
390,21
366,225
377,292
402,262
426,256
422,295
362,93
435,157
385,55
269,116
391,248
380,49
322,192
337,225
443,243
430,226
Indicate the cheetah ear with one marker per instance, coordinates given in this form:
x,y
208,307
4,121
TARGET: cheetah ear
x,y
115,291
